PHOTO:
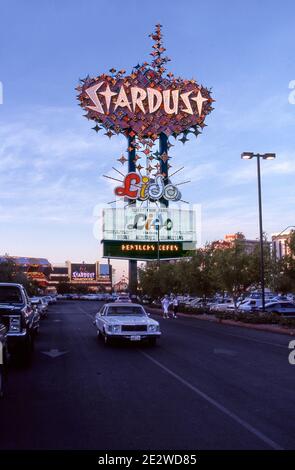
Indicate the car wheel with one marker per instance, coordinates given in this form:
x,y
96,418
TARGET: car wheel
x,y
27,350
98,335
107,340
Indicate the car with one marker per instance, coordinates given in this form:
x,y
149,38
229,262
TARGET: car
x,y
3,356
250,305
126,321
41,305
20,317
123,298
281,308
221,305
50,299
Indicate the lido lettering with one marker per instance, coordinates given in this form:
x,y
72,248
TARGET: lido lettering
x,y
144,188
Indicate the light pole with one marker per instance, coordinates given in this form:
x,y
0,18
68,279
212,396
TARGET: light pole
x,y
258,156
157,225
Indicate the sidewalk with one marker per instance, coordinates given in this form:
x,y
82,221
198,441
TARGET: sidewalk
x,y
261,327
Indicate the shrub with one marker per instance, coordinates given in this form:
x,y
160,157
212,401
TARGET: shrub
x,y
289,322
255,317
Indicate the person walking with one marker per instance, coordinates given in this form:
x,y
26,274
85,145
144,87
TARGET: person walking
x,y
165,306
175,306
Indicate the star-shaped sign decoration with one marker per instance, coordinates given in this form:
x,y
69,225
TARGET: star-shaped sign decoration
x,y
183,139
122,159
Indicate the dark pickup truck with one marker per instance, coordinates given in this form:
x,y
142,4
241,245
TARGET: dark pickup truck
x,y
20,318
3,356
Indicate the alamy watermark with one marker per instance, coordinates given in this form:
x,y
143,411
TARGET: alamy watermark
x,y
291,98
292,353
1,354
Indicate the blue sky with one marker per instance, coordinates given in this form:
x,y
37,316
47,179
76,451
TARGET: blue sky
x,y
51,161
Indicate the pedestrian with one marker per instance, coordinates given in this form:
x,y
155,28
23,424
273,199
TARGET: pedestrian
x,y
165,305
175,306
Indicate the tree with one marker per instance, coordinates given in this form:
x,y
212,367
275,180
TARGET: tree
x,y
233,271
11,272
63,287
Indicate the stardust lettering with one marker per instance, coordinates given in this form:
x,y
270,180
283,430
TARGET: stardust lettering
x,y
83,275
147,101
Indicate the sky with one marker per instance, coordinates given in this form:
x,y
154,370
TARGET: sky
x,y
52,162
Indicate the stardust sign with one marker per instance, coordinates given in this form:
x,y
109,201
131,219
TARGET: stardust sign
x,y
83,271
146,102
139,109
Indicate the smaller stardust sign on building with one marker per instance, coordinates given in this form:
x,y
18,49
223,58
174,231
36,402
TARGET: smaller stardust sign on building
x,y
80,272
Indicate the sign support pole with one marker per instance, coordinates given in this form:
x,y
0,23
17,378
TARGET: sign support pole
x,y
163,149
132,264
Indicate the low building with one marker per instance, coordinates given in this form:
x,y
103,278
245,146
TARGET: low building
x,y
122,284
280,244
250,246
94,276
36,269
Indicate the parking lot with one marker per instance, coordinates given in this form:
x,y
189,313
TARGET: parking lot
x,y
204,386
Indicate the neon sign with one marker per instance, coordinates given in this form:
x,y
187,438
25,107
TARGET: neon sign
x,y
144,188
145,250
147,102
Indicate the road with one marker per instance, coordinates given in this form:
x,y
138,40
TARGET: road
x,y
204,386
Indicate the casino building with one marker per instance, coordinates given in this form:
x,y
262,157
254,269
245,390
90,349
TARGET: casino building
x,y
36,269
96,276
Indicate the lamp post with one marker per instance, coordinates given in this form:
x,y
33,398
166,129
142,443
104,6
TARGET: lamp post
x,y
258,156
157,225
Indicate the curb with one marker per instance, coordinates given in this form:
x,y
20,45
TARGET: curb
x,y
250,326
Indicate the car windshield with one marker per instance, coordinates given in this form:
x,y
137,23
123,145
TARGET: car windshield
x,y
122,310
10,294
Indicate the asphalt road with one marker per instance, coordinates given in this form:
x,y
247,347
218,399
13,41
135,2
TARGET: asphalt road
x,y
204,386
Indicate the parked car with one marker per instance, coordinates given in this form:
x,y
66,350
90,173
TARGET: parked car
x,y
20,317
3,356
281,308
41,305
126,321
225,304
250,305
49,299
123,298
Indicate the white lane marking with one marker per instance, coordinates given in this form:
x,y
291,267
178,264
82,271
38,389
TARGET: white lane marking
x,y
86,313
217,405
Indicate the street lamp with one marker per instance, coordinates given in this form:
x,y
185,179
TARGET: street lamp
x,y
258,156
157,225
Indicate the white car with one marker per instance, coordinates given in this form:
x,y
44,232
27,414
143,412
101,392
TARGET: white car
x,y
281,308
249,305
225,304
126,321
123,298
